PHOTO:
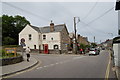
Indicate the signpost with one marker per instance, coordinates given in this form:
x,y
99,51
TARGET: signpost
x,y
10,50
22,43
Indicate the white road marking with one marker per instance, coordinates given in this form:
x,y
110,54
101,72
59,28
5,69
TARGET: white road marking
x,y
60,62
56,63
77,57
39,67
52,64
66,61
44,66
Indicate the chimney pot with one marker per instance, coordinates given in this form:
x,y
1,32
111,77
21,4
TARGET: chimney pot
x,y
51,26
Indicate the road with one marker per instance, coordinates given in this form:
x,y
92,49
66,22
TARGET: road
x,y
70,66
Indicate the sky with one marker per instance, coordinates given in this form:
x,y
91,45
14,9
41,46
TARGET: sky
x,y
97,18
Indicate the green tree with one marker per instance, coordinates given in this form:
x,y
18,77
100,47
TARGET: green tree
x,y
87,46
82,46
93,44
8,41
11,26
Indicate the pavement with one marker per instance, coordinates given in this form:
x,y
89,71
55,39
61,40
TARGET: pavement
x,y
117,72
19,67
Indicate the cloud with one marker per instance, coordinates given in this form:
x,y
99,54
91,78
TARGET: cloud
x,y
63,12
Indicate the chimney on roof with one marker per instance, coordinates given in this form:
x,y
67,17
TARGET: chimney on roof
x,y
51,26
78,35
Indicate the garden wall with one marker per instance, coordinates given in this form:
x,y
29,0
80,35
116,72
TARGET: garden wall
x,y
13,60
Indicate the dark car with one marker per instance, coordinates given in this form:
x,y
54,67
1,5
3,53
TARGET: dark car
x,y
97,51
103,48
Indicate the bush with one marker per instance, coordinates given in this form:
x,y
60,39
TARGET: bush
x,y
10,46
3,52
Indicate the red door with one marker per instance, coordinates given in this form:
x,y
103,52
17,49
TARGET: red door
x,y
46,48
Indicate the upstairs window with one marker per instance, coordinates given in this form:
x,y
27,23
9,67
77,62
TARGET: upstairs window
x,y
51,38
44,37
30,37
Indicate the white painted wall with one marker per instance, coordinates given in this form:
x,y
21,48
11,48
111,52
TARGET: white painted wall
x,y
116,49
37,38
40,40
119,54
25,34
51,43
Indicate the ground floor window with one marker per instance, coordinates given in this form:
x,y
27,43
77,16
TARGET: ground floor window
x,y
43,46
34,46
39,47
56,47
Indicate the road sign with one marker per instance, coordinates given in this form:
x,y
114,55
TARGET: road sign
x,y
22,43
10,50
22,40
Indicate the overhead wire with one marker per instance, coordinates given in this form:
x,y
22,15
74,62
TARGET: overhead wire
x,y
90,11
95,18
40,17
91,28
87,25
100,16
86,17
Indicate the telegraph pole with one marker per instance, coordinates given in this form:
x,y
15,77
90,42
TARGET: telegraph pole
x,y
94,39
75,33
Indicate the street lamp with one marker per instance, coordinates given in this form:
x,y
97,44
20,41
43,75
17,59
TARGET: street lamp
x,y
76,32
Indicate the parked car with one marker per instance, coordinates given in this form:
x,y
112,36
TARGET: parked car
x,y
94,51
97,51
103,48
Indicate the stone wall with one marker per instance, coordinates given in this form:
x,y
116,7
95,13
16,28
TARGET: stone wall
x,y
13,60
52,52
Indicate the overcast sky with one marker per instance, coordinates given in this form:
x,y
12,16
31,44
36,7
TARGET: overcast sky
x,y
97,19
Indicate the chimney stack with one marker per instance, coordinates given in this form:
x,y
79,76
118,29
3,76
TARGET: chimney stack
x,y
51,26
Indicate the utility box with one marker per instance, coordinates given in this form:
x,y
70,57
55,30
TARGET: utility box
x,y
116,49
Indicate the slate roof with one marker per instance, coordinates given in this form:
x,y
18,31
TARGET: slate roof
x,y
36,28
116,39
46,29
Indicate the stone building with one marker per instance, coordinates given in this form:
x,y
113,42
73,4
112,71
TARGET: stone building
x,y
47,39
83,40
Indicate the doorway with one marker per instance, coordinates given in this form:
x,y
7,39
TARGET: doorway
x,y
46,48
